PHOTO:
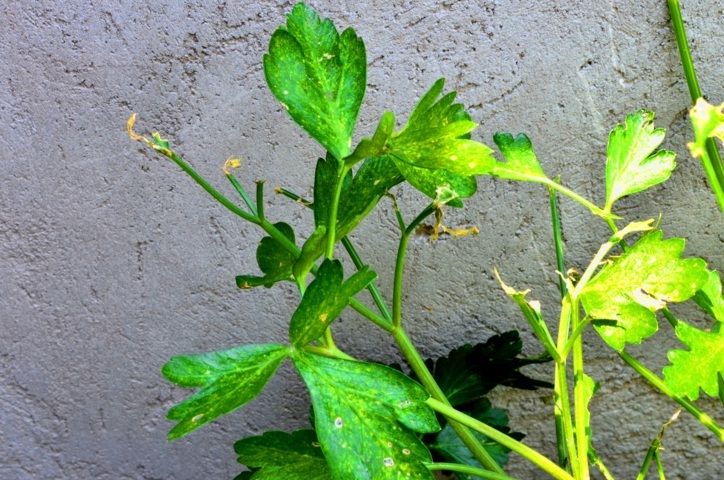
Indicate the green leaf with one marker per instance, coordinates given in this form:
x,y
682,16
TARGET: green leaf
x,y
697,367
319,76
450,448
359,196
366,416
710,296
429,181
590,387
635,285
280,455
437,136
632,166
324,300
273,259
708,121
522,164
229,379
325,182
377,145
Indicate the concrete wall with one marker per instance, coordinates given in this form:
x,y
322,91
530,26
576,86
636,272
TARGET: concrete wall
x,y
112,260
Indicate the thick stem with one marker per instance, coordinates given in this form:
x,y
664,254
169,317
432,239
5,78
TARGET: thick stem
x,y
560,387
514,445
579,394
418,366
478,472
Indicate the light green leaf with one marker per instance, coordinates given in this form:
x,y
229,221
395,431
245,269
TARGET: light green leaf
x,y
697,367
708,122
366,416
295,456
324,300
437,136
635,285
448,445
273,259
710,296
377,145
522,164
319,76
428,181
590,387
632,166
229,379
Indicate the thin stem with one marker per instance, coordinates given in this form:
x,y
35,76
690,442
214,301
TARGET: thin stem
x,y
418,366
334,207
497,436
328,352
374,291
260,198
576,334
711,160
653,451
400,264
458,467
578,198
557,238
560,388
659,465
370,315
242,193
579,394
705,419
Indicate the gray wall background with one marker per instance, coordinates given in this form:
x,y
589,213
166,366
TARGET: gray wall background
x,y
112,260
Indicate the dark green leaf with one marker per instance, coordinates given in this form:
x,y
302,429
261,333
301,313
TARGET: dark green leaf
x,y
325,182
522,164
319,76
366,415
324,300
437,136
295,456
273,259
450,448
632,165
469,372
359,196
229,379
697,367
248,475
377,145
641,281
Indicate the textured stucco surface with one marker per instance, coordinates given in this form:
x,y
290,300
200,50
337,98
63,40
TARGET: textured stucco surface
x,y
112,260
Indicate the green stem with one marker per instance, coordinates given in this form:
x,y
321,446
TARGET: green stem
x,y
557,238
579,394
705,419
206,186
370,315
659,465
400,264
374,291
654,449
334,207
576,334
497,436
260,198
418,366
328,352
458,467
711,160
564,419
574,196
242,194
